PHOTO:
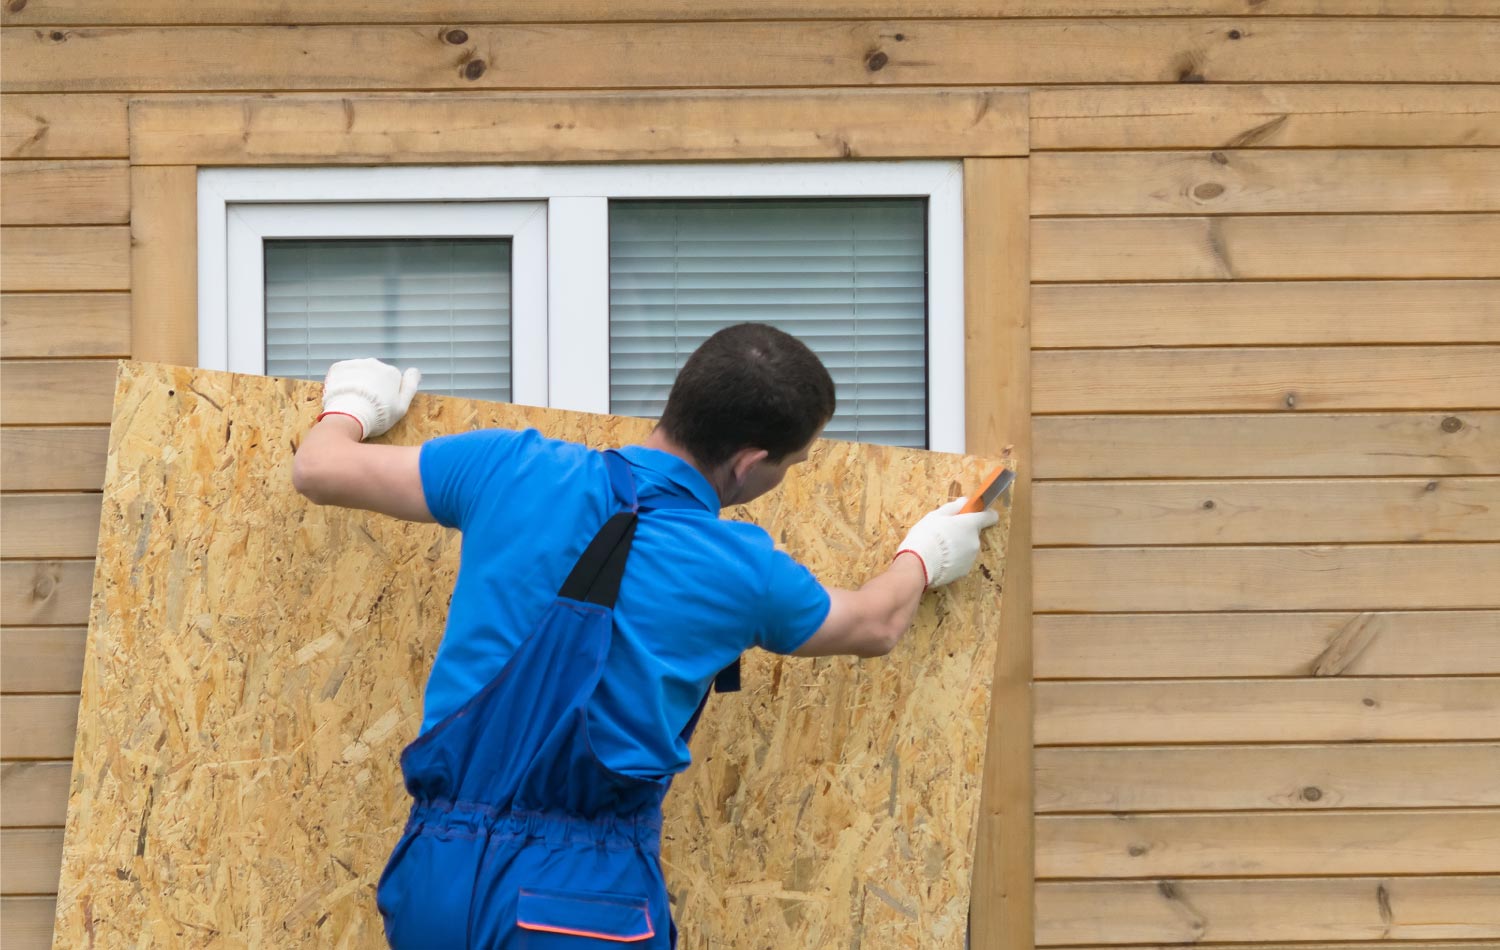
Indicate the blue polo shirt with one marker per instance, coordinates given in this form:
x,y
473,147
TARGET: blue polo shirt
x,y
698,590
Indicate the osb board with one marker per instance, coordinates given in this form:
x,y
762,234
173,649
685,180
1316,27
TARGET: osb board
x,y
255,665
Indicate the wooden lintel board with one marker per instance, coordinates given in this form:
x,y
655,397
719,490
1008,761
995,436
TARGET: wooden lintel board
x,y
255,665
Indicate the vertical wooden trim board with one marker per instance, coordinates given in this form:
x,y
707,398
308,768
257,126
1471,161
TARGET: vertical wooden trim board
x,y
997,374
164,263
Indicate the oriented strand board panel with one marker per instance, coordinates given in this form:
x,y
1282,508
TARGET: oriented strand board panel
x,y
255,665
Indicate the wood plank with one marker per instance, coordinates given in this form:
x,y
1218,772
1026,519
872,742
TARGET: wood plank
x,y
1319,946
93,12
1147,646
38,727
1269,577
34,794
63,459
42,659
57,392
1352,908
997,360
1332,709
1266,247
26,922
728,55
85,258
46,525
1294,777
1266,181
1453,841
1269,379
1268,445
65,325
550,127
33,859
1307,511
46,592
1198,115
54,192
70,126
1266,313
164,264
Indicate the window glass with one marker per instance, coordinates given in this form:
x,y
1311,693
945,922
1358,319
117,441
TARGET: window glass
x,y
847,276
442,305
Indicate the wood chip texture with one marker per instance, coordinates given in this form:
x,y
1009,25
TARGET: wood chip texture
x,y
255,665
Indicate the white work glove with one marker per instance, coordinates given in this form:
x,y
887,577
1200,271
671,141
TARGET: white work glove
x,y
946,542
376,394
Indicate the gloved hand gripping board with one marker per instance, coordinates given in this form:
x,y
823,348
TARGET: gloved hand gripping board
x,y
255,665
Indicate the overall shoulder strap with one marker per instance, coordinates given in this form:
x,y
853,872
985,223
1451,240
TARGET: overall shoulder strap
x,y
596,577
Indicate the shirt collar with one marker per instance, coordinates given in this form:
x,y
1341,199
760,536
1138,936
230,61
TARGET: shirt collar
x,y
676,472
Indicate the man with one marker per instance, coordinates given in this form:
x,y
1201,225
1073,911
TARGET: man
x,y
598,596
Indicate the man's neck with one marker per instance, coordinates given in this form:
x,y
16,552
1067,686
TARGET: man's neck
x,y
661,442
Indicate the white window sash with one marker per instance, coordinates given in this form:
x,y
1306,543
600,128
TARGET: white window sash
x,y
574,276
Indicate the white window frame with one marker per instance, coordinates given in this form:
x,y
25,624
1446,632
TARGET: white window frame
x,y
567,360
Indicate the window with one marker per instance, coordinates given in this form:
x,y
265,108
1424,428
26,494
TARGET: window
x,y
585,287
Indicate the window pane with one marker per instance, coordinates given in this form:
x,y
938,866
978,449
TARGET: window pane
x,y
847,276
440,305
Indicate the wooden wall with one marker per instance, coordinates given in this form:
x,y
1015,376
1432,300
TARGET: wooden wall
x,y
1265,375
1266,432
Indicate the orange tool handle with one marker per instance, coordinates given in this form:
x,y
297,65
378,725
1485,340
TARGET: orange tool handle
x,y
994,483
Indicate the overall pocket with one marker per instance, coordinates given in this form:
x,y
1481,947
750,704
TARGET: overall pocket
x,y
574,920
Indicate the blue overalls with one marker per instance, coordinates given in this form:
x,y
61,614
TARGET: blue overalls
x,y
519,838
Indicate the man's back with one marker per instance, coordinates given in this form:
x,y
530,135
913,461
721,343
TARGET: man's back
x,y
698,590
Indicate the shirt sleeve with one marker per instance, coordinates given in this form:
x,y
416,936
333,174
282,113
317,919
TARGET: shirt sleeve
x,y
796,605
458,470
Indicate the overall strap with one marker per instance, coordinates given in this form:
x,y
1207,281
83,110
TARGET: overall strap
x,y
596,577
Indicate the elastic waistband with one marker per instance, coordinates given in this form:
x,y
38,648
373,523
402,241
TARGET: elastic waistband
x,y
641,830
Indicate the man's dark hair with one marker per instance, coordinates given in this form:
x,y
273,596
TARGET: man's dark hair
x,y
748,385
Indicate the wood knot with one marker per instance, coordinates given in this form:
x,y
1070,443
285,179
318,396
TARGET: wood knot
x,y
1207,190
42,587
1209,505
1312,793
875,61
1452,424
474,69
1369,702
456,37
1188,75
1219,158
58,36
16,6
900,37
1432,486
1235,34
1136,850
1291,400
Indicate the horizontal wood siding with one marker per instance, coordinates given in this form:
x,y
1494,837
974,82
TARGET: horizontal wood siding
x,y
1266,320
1265,326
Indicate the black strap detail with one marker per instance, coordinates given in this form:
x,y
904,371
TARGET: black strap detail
x,y
728,679
597,575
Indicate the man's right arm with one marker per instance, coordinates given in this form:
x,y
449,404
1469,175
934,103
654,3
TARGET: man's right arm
x,y
870,621
938,550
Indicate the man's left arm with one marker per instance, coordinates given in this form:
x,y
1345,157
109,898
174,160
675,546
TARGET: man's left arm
x,y
334,466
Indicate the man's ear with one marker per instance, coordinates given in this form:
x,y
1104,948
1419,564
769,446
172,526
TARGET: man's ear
x,y
744,460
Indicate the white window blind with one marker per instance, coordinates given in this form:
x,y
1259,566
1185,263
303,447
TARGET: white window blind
x,y
441,305
846,276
